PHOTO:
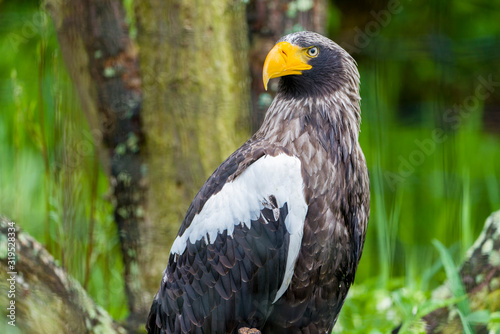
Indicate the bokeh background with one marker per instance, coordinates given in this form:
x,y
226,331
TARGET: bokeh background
x,y
430,87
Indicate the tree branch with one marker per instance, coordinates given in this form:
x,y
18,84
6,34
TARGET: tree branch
x,y
46,298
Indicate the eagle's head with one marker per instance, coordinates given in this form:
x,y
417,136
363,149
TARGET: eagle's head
x,y
310,64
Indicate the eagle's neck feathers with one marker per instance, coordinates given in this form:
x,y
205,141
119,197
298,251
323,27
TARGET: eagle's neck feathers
x,y
332,120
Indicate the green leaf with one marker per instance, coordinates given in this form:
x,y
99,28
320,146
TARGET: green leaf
x,y
479,317
453,275
465,323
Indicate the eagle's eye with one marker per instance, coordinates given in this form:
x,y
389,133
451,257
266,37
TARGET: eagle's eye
x,y
313,52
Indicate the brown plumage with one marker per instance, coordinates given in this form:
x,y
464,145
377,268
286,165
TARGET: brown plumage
x,y
273,239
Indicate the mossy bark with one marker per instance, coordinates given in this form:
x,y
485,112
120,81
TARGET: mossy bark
x,y
193,58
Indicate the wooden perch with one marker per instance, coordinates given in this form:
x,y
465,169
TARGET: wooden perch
x,y
46,298
480,276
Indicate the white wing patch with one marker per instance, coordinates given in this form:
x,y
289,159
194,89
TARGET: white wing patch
x,y
241,201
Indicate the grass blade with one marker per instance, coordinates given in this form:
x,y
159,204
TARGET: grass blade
x,y
465,323
453,275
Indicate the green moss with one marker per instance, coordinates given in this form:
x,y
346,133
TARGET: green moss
x,y
495,284
487,246
494,258
3,246
109,72
121,149
132,142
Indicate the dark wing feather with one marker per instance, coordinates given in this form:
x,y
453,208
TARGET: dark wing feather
x,y
221,286
233,280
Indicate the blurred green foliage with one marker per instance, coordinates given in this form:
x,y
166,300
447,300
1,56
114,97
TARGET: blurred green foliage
x,y
432,147
48,163
433,154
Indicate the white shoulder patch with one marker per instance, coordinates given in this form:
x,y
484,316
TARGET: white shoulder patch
x,y
241,201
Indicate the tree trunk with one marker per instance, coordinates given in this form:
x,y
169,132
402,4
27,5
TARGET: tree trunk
x,y
193,58
38,296
103,64
268,21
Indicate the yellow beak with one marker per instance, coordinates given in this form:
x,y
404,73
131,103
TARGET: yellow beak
x,y
284,59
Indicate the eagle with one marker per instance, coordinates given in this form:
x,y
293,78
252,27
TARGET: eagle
x,y
273,238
